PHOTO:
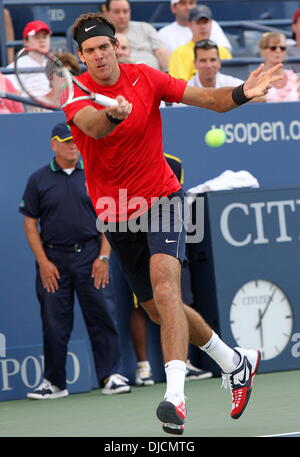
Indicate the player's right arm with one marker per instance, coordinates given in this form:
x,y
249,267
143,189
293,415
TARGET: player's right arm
x,y
48,271
220,99
100,123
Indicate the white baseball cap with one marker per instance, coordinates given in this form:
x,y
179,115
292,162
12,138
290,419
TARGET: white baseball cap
x,y
173,2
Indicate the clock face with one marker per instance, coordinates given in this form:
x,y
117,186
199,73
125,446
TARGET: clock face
x,y
261,318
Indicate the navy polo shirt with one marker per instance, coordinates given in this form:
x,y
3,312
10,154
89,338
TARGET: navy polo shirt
x,y
176,165
61,204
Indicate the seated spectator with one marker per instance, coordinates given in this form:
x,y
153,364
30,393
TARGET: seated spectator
x,y
272,47
181,64
70,61
293,50
124,51
208,65
36,35
146,46
8,106
178,32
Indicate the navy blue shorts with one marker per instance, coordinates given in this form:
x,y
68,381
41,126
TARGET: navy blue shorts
x,y
159,231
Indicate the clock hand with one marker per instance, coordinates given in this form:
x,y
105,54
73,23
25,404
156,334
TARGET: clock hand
x,y
260,326
266,308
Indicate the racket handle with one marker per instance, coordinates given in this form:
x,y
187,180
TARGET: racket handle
x,y
105,101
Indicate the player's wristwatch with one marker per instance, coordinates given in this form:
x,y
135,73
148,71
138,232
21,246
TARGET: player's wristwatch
x,y
104,258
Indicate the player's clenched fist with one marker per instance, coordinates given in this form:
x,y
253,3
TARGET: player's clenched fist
x,y
121,111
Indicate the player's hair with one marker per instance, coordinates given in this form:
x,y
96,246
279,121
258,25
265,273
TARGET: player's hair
x,y
205,44
99,17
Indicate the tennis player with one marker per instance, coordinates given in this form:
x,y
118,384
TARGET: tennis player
x,y
127,175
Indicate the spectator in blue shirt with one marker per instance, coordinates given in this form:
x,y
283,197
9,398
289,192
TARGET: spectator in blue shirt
x,y
71,257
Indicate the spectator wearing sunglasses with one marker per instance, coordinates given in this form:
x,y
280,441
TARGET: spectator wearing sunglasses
x,y
181,64
272,48
208,65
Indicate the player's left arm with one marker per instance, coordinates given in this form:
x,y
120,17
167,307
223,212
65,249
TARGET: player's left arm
x,y
221,100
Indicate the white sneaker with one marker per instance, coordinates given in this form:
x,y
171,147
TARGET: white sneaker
x,y
240,380
116,384
172,413
47,391
143,374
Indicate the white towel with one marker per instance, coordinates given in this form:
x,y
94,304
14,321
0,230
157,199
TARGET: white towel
x,y
227,180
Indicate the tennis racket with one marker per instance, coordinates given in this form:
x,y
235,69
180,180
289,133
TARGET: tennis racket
x,y
47,83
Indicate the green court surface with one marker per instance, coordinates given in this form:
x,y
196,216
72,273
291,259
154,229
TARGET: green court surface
x,y
274,409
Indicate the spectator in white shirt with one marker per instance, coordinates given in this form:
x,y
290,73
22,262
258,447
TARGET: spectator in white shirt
x,y
36,35
146,46
178,32
208,65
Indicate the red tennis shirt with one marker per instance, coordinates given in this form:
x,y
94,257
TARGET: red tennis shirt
x,y
126,170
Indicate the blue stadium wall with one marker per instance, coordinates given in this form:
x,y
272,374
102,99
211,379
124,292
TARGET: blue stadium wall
x,y
263,139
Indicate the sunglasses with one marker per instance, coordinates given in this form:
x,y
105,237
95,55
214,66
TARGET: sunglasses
x,y
205,43
274,48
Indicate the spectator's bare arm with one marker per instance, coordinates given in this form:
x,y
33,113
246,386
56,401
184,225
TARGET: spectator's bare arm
x,y
10,34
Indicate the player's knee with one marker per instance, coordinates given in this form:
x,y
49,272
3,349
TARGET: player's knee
x,y
164,293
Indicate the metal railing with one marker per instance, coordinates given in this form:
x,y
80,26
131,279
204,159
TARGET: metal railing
x,y
4,44
259,25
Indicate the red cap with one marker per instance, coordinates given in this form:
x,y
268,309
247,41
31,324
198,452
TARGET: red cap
x,y
34,27
296,16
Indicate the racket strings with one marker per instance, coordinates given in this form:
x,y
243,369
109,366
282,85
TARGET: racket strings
x,y
47,81
58,82
49,84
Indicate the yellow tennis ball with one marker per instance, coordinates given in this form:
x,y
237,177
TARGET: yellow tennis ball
x,y
215,137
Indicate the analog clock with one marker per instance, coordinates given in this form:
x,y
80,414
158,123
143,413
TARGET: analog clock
x,y
261,317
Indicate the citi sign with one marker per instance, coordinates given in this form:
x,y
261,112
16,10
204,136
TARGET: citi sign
x,y
257,213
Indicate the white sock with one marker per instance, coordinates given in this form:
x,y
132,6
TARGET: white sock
x,y
175,374
227,358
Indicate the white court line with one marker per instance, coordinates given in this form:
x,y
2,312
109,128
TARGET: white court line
x,y
280,434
